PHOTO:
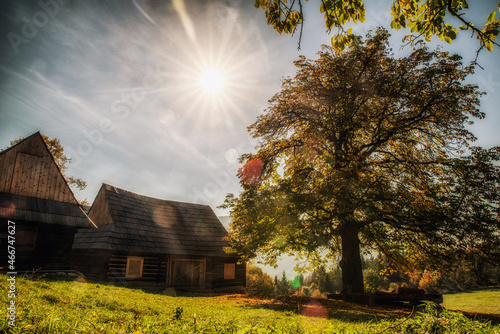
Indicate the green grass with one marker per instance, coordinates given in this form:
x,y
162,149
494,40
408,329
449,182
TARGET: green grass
x,y
481,301
73,307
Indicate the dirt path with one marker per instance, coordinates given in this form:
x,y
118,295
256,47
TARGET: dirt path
x,y
329,308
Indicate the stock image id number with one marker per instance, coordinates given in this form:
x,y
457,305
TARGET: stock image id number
x,y
11,250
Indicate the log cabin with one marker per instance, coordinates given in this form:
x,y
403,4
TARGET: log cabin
x,y
146,242
40,208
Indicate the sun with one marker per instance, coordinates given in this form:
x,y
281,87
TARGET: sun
x,y
212,81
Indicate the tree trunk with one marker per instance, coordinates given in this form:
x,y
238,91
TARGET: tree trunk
x,y
352,271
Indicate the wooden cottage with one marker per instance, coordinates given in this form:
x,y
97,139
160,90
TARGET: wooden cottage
x,y
152,243
39,206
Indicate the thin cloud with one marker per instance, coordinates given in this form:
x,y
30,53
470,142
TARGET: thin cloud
x,y
139,8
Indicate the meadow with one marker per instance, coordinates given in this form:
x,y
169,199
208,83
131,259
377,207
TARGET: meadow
x,y
67,306
480,301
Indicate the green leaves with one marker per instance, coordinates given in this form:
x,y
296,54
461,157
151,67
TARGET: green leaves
x,y
490,32
338,13
280,16
424,18
448,34
341,41
491,17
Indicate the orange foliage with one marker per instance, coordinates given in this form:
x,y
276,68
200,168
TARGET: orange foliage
x,y
251,171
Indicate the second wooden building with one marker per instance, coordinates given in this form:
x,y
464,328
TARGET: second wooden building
x,y
153,243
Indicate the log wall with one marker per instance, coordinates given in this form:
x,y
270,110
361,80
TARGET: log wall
x,y
157,270
217,270
154,271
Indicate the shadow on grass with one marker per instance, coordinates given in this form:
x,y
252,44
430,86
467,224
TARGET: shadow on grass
x,y
332,309
494,319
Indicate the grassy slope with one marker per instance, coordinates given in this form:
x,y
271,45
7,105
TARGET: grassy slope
x,y
75,307
481,301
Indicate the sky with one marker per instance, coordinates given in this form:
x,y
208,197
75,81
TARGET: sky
x,y
119,83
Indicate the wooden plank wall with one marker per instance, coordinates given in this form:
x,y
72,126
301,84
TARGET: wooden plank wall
x,y
99,212
28,169
27,176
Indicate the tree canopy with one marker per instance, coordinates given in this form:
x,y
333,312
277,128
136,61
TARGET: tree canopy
x,y
361,151
424,18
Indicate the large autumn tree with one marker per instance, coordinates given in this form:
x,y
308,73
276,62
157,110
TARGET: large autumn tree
x,y
361,151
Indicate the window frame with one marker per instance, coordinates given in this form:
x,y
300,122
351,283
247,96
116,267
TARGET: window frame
x,y
31,232
229,271
127,270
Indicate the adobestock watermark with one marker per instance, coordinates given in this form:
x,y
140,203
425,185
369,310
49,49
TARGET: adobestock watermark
x,y
120,109
377,18
152,80
12,273
221,179
489,85
32,25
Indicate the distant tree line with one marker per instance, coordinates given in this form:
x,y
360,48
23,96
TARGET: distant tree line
x,y
474,270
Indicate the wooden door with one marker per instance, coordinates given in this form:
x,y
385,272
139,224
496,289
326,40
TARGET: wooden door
x,y
188,273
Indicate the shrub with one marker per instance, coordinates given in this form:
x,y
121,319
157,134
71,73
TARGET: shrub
x,y
436,320
371,279
430,281
317,294
258,282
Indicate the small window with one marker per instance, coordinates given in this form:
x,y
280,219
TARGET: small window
x,y
229,271
26,238
134,267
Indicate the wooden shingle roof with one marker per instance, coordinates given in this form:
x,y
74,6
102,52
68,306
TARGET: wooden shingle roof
x,y
32,188
135,223
17,208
